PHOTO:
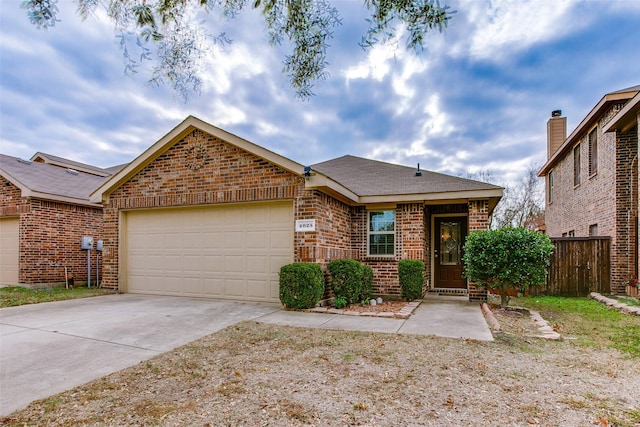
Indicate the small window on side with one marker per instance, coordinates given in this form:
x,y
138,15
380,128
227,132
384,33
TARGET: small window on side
x,y
576,166
593,152
593,230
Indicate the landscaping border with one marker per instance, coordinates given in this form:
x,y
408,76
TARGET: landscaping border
x,y
403,313
610,302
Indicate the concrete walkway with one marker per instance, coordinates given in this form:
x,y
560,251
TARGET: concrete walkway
x,y
49,348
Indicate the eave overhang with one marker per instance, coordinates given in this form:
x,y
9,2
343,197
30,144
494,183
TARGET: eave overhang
x,y
626,118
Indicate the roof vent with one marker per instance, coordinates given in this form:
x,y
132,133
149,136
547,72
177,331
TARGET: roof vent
x,y
556,113
418,171
23,161
72,171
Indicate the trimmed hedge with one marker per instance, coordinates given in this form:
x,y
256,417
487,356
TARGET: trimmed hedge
x,y
301,285
346,279
366,292
411,272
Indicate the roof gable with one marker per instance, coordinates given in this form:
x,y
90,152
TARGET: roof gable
x,y
161,146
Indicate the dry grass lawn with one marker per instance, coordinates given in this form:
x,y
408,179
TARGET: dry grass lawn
x,y
255,374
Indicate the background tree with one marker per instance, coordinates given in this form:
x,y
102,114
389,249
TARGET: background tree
x,y
507,258
169,33
522,203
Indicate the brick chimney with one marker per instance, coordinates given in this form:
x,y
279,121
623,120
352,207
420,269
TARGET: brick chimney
x,y
556,132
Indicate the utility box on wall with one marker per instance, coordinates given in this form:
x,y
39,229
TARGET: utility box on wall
x,y
99,245
87,242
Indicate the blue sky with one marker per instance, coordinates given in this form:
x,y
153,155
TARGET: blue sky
x,y
477,98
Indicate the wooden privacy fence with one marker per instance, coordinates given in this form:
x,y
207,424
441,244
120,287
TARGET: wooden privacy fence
x,y
579,265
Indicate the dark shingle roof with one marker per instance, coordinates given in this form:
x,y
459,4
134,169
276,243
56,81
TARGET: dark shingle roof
x,y
367,177
49,179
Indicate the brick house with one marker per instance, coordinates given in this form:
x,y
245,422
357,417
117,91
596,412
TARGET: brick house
x,y
592,179
203,212
44,212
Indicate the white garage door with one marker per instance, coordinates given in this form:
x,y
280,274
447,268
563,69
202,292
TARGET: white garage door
x,y
9,251
232,252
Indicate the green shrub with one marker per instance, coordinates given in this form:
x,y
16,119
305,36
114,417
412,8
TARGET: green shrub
x,y
366,291
301,285
346,279
339,303
507,258
411,273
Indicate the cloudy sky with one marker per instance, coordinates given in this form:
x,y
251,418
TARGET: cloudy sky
x,y
477,98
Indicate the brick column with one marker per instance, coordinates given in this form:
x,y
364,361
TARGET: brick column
x,y
478,220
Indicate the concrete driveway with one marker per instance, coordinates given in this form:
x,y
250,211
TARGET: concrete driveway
x,y
52,347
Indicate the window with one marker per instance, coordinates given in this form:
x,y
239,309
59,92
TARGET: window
x,y
576,166
550,194
593,152
593,230
381,233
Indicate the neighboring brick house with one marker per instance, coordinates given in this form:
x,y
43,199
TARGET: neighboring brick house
x,y
592,179
44,212
203,212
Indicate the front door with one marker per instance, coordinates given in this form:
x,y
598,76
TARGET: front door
x,y
451,232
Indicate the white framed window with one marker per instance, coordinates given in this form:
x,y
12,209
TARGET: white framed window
x,y
381,233
550,193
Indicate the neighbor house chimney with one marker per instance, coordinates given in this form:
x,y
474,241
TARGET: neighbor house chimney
x,y
556,132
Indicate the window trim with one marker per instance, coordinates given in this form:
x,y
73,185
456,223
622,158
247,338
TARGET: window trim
x,y
551,178
370,233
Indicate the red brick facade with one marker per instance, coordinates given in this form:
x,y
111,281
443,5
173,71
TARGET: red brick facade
x,y
49,237
226,173
603,202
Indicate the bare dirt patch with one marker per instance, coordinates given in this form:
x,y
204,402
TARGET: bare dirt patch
x,y
384,307
269,375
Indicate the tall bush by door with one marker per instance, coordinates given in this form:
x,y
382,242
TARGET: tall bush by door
x,y
301,285
507,258
411,275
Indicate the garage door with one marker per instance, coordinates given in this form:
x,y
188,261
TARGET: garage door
x,y
9,251
232,252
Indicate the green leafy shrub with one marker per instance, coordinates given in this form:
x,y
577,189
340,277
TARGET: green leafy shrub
x,y
301,285
339,303
366,290
346,279
411,273
507,258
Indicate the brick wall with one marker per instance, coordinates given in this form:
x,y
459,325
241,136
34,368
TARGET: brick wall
x,y
49,237
478,220
624,250
410,242
607,199
575,208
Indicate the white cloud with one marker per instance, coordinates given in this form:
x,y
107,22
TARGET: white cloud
x,y
499,27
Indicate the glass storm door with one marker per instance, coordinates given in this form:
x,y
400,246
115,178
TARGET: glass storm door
x,y
449,241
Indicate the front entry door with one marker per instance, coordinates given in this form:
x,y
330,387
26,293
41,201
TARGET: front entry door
x,y
449,241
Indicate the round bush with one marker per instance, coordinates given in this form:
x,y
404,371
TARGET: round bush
x,y
346,279
301,285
